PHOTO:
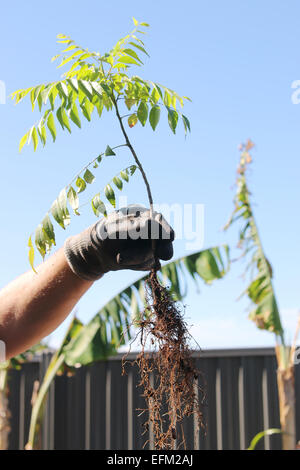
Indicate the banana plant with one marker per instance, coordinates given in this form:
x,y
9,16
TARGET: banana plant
x,y
265,313
112,325
96,83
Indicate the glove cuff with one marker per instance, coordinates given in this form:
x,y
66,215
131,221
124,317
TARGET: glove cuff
x,y
83,256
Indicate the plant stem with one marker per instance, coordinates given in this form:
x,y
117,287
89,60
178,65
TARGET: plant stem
x,y
129,145
90,163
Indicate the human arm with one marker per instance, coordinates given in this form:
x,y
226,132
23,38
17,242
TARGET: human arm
x,y
33,305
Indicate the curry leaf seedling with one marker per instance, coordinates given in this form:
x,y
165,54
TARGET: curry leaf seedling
x,y
95,83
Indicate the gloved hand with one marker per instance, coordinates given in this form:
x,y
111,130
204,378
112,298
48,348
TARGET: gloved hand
x,y
123,240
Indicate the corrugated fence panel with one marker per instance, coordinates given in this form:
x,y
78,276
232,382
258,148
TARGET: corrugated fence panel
x,y
98,407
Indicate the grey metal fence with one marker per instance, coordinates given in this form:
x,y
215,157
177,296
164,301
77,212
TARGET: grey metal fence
x,y
96,408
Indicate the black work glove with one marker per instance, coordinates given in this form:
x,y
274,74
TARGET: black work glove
x,y
128,238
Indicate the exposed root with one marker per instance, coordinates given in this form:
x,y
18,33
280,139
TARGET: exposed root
x,y
169,378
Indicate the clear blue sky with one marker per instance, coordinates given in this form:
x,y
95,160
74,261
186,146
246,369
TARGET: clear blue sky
x,y
237,61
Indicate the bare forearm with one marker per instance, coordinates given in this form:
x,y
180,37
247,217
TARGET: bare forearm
x,y
33,305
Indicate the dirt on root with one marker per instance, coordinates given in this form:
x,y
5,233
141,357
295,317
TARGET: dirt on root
x,y
169,378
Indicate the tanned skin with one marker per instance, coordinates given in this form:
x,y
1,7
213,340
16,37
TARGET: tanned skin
x,y
33,305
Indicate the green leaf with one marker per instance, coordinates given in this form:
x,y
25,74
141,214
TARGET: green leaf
x,y
87,109
139,47
35,139
81,184
132,169
167,99
42,132
155,95
97,88
133,54
172,119
110,195
51,126
135,21
124,176
40,240
128,60
88,345
154,116
57,214
142,113
132,120
186,123
63,118
34,94
109,151
130,102
52,95
23,141
73,82
71,57
48,229
31,254
73,199
74,116
88,176
60,211
118,183
62,90
98,206
86,87
207,267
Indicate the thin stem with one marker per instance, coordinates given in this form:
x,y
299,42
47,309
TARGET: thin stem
x,y
128,143
125,115
90,163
